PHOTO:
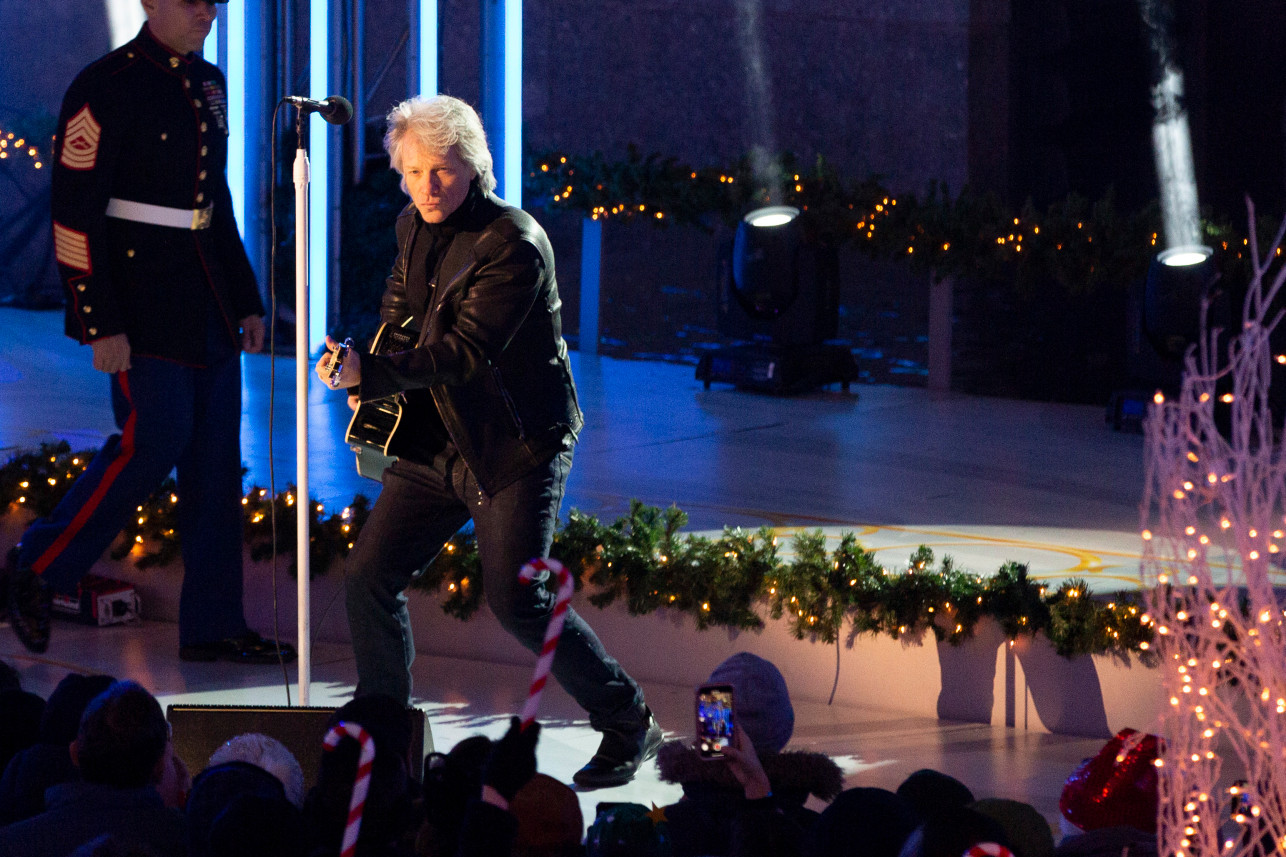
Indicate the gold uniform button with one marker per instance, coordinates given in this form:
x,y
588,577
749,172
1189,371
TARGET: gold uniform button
x,y
130,55
129,253
200,197
196,102
80,287
201,175
87,309
174,62
165,135
203,126
93,331
204,150
187,84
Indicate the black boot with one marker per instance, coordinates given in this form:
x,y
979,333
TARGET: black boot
x,y
28,602
623,749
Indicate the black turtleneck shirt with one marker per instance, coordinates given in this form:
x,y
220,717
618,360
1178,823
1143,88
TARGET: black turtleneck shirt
x,y
421,434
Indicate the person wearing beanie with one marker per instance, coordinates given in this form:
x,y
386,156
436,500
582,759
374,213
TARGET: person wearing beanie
x,y
1028,831
751,801
268,753
48,762
485,799
257,826
386,827
549,819
862,822
214,791
952,832
628,830
451,781
930,792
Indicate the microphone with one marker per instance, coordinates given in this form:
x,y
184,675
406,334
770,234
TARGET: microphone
x,y
336,109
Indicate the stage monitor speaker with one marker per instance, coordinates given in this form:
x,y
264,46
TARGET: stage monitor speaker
x,y
199,730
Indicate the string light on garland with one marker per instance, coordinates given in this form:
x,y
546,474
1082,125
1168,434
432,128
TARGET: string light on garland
x,y
12,144
645,560
1073,244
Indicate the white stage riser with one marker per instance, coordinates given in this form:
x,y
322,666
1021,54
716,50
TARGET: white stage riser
x,y
986,680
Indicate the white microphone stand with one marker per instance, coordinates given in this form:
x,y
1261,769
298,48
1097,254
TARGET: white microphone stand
x,y
302,175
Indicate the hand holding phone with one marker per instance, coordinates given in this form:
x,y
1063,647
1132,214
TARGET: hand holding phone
x,y
715,721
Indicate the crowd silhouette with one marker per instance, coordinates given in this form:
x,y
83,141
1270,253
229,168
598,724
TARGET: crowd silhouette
x,y
92,771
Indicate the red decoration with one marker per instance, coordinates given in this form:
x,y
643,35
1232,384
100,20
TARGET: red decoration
x,y
1116,787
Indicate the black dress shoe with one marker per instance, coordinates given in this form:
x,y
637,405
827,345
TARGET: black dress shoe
x,y
621,752
245,648
28,603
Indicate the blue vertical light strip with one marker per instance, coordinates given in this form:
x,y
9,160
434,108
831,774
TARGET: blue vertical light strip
x,y
235,36
428,48
210,50
318,154
511,157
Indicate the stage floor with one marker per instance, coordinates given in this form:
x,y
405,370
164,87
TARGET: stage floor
x,y
984,480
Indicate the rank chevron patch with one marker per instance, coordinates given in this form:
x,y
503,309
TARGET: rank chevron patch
x,y
80,141
71,247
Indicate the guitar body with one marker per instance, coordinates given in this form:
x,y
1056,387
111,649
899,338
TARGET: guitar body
x,y
371,429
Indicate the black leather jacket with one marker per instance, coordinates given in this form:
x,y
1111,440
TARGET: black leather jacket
x,y
491,348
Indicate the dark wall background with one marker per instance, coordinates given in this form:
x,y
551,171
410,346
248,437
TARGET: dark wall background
x,y
1026,98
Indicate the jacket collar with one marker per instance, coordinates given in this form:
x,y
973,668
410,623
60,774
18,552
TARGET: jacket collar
x,y
158,53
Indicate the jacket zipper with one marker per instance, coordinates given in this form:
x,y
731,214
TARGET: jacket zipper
x,y
509,402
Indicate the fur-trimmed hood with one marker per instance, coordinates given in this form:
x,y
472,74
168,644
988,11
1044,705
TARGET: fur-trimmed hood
x,y
791,772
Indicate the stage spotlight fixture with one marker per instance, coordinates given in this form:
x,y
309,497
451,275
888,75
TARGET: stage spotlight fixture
x,y
765,260
1178,280
773,215
1182,257
1165,319
779,288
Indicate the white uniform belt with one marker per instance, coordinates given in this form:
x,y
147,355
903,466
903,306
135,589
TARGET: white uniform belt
x,y
160,215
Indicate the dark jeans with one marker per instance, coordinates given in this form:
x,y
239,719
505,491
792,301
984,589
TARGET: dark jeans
x,y
419,509
170,416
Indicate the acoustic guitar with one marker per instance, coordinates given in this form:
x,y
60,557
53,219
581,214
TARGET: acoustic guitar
x,y
371,429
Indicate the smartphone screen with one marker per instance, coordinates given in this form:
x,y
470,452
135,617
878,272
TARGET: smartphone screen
x,y
714,719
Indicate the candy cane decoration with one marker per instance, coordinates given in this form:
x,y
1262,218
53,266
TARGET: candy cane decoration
x,y
988,849
361,784
552,632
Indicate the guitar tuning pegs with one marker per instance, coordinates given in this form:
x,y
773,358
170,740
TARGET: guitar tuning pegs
x,y
337,362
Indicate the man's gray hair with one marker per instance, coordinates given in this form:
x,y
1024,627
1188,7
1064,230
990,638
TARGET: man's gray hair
x,y
437,124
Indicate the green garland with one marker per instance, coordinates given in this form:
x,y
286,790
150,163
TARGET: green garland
x,y
1075,243
645,560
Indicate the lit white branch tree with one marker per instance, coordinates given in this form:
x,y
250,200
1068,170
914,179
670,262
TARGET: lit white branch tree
x,y
1213,529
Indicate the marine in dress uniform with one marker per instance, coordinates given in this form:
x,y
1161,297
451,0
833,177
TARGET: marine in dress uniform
x,y
158,282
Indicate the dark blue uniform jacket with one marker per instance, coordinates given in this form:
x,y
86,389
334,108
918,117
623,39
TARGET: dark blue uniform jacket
x,y
146,125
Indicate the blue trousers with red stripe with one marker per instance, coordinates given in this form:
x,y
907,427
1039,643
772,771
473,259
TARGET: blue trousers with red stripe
x,y
171,417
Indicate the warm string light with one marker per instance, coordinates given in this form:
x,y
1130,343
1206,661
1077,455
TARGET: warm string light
x,y
1209,529
717,582
932,231
13,145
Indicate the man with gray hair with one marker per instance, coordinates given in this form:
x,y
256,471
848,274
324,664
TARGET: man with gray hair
x,y
489,420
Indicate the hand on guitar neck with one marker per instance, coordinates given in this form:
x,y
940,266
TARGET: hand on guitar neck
x,y
340,367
